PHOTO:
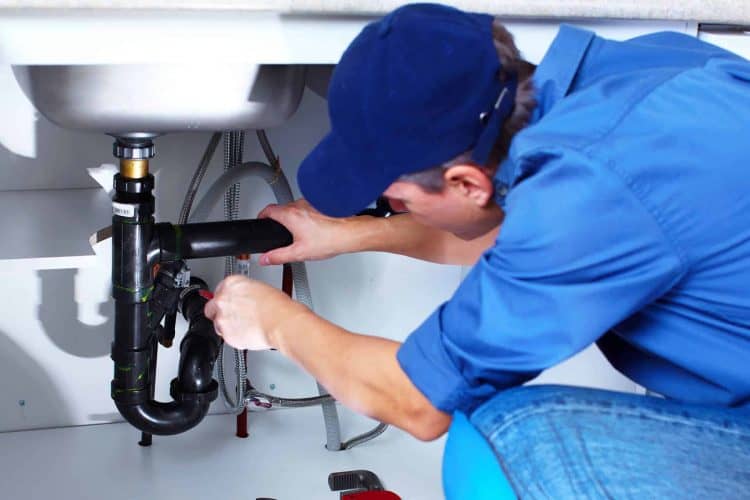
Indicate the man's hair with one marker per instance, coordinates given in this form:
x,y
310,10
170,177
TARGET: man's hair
x,y
512,63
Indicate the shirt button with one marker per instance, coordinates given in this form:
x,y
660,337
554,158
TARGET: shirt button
x,y
502,189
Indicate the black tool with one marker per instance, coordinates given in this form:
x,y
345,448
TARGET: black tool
x,y
352,481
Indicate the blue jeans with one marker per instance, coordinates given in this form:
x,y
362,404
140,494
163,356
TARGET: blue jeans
x,y
565,442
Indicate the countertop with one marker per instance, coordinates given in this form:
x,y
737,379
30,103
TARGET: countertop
x,y
710,11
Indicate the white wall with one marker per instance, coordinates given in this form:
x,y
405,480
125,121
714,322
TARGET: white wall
x,y
56,322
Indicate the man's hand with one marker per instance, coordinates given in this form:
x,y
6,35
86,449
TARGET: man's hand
x,y
246,313
316,236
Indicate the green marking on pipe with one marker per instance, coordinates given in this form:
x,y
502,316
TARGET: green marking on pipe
x,y
136,222
143,294
129,389
124,368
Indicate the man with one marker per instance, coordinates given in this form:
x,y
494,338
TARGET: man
x,y
601,197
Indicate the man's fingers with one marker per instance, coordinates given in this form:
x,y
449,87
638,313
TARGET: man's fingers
x,y
277,256
285,214
210,310
219,288
218,329
266,212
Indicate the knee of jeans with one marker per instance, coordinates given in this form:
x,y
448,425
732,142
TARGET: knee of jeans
x,y
470,468
527,429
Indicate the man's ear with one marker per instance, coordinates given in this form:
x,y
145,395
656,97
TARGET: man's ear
x,y
470,182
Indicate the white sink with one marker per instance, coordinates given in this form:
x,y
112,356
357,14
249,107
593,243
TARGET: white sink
x,y
159,98
123,72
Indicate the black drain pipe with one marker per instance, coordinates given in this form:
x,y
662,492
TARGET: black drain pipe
x,y
194,388
219,239
138,245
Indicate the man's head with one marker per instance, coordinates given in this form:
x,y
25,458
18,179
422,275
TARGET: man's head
x,y
456,197
422,105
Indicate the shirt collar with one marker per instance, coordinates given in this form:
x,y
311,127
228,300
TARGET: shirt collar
x,y
553,80
554,76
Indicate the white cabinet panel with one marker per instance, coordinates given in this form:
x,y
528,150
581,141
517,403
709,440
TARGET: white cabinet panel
x,y
534,37
736,40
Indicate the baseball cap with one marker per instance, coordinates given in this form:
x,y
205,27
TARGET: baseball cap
x,y
413,90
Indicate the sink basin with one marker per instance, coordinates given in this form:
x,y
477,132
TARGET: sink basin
x,y
159,98
122,72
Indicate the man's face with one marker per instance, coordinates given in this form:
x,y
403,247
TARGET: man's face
x,y
455,209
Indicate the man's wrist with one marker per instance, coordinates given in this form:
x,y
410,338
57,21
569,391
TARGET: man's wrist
x,y
366,232
289,322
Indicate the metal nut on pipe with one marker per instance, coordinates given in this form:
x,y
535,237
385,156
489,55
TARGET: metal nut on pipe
x,y
133,169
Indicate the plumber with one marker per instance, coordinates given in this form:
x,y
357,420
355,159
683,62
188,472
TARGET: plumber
x,y
601,197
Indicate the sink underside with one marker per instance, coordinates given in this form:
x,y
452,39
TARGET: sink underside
x,y
160,98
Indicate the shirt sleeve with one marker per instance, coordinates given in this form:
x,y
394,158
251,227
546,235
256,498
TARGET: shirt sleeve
x,y
577,253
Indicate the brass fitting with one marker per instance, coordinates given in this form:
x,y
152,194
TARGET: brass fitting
x,y
133,169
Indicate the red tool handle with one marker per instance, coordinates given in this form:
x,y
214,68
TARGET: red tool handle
x,y
371,495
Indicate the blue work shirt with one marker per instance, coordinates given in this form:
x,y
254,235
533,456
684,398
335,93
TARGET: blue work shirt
x,y
627,223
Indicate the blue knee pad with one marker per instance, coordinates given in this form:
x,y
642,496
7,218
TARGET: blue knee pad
x,y
470,468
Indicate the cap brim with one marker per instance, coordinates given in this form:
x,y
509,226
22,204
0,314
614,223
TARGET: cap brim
x,y
340,182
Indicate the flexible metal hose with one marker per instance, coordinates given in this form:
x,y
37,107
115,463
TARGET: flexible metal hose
x,y
214,193
254,396
234,144
195,182
265,145
330,415
367,436
234,403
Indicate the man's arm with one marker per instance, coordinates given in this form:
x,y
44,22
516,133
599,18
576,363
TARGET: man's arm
x,y
319,237
360,371
402,235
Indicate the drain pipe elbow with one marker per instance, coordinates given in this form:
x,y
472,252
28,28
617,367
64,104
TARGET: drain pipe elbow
x,y
194,389
164,419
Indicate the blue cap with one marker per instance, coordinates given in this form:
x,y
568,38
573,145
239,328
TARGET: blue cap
x,y
414,90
